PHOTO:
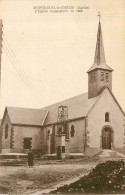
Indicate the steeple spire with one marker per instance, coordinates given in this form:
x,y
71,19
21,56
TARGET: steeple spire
x,y
99,52
99,60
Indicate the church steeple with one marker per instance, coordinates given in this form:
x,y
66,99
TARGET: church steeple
x,y
100,74
99,52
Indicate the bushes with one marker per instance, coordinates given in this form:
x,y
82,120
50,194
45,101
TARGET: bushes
x,y
107,177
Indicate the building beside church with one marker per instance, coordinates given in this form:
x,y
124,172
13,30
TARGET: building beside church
x,y
84,124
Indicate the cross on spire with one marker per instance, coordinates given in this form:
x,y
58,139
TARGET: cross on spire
x,y
99,15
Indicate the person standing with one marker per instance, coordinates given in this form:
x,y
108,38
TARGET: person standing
x,y
30,158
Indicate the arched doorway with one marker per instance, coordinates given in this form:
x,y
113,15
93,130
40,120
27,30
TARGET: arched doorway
x,y
107,137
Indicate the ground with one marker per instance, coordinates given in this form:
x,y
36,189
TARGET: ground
x,y
25,180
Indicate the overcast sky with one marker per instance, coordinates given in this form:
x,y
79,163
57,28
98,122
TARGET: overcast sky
x,y
56,50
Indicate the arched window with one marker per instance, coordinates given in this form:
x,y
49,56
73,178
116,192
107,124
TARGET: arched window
x,y
94,76
102,76
6,131
72,131
59,130
106,117
91,78
107,77
48,131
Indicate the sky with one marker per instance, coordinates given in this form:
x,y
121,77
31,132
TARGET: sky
x,y
45,56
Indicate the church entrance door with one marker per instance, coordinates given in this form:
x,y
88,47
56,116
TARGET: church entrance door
x,y
106,138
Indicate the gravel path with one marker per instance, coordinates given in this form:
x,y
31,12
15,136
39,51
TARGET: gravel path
x,y
20,180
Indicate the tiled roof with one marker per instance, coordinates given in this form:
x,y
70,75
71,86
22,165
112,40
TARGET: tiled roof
x,y
100,66
78,106
26,116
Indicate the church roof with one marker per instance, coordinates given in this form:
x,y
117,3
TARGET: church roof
x,y
26,116
99,60
100,66
78,106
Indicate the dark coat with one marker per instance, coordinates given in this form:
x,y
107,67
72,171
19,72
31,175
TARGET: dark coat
x,y
30,159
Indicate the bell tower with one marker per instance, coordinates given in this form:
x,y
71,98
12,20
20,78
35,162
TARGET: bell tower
x,y
100,74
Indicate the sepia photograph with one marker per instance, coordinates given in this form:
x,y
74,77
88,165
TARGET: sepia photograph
x,y
62,97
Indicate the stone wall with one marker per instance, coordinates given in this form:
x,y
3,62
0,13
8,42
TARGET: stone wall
x,y
76,144
6,141
21,132
96,121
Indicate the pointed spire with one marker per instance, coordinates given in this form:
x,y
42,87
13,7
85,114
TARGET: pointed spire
x,y
99,60
99,52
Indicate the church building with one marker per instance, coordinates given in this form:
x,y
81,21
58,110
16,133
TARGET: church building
x,y
85,124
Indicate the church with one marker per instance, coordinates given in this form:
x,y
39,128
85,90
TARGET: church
x,y
85,124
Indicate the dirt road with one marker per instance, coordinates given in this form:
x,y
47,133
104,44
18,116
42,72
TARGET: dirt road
x,y
20,180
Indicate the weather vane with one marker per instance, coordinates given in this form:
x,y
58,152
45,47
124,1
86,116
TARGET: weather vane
x,y
99,15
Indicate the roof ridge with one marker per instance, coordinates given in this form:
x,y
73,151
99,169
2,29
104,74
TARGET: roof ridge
x,y
25,108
